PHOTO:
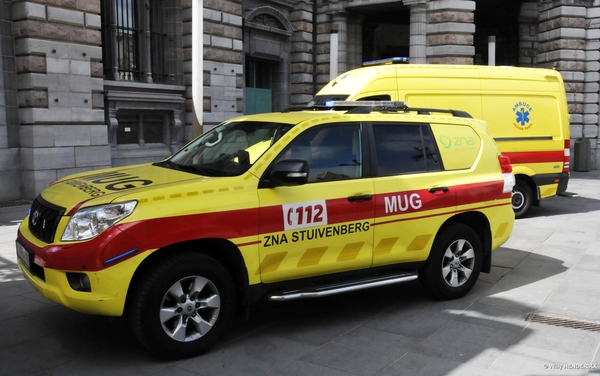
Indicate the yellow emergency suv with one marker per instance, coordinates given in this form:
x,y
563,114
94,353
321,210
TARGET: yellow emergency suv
x,y
526,109
279,206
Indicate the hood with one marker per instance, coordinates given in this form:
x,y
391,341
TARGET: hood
x,y
104,186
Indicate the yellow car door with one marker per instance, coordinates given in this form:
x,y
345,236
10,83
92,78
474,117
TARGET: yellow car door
x,y
413,198
323,226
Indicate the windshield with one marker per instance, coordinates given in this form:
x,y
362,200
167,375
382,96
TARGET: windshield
x,y
228,149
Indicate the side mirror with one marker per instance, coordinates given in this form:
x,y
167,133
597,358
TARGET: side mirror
x,y
289,172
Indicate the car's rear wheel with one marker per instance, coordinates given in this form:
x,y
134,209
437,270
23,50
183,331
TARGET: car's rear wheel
x,y
182,306
454,263
522,197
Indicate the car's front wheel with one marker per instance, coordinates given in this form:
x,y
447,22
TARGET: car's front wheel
x,y
454,263
182,306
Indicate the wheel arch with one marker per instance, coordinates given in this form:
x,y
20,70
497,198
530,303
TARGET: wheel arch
x,y
527,179
221,250
481,225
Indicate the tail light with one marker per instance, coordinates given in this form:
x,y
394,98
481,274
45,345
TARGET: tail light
x,y
567,159
505,164
509,177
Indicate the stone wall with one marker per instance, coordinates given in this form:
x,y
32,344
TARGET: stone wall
x,y
10,173
62,128
223,61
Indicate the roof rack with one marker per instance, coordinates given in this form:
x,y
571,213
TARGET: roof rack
x,y
366,107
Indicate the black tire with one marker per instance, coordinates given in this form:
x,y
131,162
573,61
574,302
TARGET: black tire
x,y
454,263
522,198
182,306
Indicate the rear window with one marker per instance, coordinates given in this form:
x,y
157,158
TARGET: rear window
x,y
404,148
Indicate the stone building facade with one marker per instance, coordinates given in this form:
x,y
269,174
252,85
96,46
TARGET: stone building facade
x,y
89,84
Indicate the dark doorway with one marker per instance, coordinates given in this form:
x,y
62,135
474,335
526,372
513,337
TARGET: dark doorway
x,y
258,88
499,18
386,34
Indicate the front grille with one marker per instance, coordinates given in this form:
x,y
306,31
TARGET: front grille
x,y
43,219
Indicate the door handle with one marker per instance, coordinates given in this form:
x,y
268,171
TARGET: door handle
x,y
365,197
438,190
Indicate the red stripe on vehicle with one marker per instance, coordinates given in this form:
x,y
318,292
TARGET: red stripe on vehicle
x,y
160,232
536,157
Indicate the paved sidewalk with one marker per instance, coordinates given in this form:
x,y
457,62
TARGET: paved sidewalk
x,y
550,266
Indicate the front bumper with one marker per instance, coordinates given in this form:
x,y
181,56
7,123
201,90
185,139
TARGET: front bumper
x,y
108,287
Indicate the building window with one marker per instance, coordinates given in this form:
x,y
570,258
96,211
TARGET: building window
x,y
140,39
142,128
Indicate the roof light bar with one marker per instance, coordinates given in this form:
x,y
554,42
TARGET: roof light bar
x,y
375,104
387,61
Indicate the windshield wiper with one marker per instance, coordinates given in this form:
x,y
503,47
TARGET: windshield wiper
x,y
168,163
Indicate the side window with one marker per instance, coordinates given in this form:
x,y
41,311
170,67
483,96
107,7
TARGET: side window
x,y
381,97
332,152
459,146
404,148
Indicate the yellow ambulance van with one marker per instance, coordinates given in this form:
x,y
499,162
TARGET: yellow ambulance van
x,y
526,109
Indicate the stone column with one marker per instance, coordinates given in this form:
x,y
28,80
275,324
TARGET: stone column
x,y
59,54
302,53
450,32
340,23
591,86
562,46
189,116
418,29
528,44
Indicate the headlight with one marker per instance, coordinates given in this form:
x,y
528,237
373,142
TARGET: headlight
x,y
90,222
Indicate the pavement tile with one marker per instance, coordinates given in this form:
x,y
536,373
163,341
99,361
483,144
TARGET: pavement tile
x,y
573,345
255,355
21,329
573,304
16,306
581,280
417,321
493,316
521,293
462,342
416,364
363,351
507,257
350,359
303,368
522,361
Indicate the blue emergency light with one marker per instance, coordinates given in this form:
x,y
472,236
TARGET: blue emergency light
x,y
387,61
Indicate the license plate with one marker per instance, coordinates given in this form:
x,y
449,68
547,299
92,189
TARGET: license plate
x,y
24,255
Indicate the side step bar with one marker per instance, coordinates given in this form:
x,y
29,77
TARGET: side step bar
x,y
345,287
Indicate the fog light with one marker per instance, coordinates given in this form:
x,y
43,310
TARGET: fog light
x,y
79,282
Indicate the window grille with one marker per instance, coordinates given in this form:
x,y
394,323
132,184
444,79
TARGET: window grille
x,y
137,40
